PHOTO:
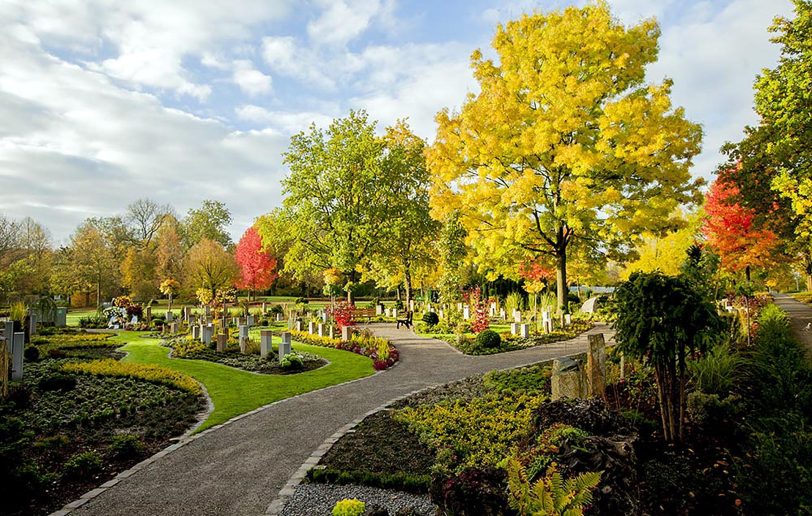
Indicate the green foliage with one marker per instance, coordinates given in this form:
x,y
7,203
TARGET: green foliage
x,y
148,372
716,371
349,507
532,380
550,495
488,339
209,222
396,481
83,465
292,361
126,446
31,353
431,319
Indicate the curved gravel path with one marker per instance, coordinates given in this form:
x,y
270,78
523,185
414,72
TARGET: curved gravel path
x,y
240,468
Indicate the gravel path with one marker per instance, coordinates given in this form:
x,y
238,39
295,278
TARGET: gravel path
x,y
319,500
240,468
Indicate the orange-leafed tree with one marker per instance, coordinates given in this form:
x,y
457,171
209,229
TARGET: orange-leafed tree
x,y
257,267
731,230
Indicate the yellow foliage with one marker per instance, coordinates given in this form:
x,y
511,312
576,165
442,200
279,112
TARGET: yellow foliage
x,y
148,372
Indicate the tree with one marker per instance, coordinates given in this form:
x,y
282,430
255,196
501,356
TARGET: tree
x,y
207,222
93,259
452,252
409,228
145,217
138,272
209,266
730,231
665,252
564,146
25,258
661,319
170,288
169,252
784,102
335,197
257,268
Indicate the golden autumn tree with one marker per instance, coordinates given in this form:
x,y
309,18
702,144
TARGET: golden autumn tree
x,y
565,145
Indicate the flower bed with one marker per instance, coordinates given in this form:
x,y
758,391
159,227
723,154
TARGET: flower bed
x,y
187,348
382,353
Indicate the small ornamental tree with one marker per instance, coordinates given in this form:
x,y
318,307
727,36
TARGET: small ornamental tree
x,y
661,320
474,299
343,315
257,267
170,288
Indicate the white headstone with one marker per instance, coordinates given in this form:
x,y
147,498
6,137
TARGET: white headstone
x,y
524,330
208,333
514,328
284,346
567,319
346,333
466,312
297,325
249,320
502,314
243,336
265,343
311,327
517,316
379,309
321,329
278,317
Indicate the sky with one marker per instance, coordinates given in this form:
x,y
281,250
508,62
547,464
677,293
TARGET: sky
x,y
103,102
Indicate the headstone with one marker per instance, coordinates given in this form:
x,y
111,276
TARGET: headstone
x,y
466,312
311,327
134,320
568,319
222,342
243,336
208,333
207,311
321,329
379,309
173,328
185,312
517,316
32,324
346,333
17,345
278,317
411,305
61,317
265,343
324,317
395,313
567,379
492,310
195,332
441,315
297,325
264,308
502,314
332,332
249,320
514,328
524,331
169,316
148,314
596,365
284,346
459,307
547,322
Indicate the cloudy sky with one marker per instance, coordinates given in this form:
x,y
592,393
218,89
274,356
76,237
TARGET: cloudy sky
x,y
106,101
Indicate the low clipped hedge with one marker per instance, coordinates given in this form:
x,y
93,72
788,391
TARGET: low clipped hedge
x,y
148,372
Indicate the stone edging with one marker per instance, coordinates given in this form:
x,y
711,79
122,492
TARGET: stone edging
x,y
185,439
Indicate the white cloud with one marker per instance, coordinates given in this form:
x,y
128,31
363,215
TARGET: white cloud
x,y
249,79
288,122
343,20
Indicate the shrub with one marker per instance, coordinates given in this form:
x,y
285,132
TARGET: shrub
x,y
31,353
431,318
550,495
488,339
349,507
148,372
472,492
82,465
126,446
380,365
716,371
185,347
57,382
292,361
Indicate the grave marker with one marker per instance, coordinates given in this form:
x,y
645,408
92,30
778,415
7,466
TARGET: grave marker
x,y
284,346
524,331
265,343
596,365
567,379
222,342
17,345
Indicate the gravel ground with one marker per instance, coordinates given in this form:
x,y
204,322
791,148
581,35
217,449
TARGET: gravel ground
x,y
319,499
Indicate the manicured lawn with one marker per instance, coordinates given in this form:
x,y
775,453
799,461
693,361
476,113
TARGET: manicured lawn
x,y
235,392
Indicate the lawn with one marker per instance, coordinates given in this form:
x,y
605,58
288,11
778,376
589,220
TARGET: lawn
x,y
235,392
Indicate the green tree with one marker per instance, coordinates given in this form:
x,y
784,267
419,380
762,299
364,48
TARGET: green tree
x,y
335,197
565,145
451,251
661,319
211,267
209,222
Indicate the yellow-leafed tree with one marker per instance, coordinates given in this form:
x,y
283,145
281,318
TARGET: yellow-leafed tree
x,y
565,145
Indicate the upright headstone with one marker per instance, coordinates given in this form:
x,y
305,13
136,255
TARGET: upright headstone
x,y
395,313
278,317
311,327
297,325
567,379
249,320
265,343
379,309
173,328
284,345
32,323
195,332
492,310
524,331
466,312
207,311
243,335
320,329
547,322
514,328
517,316
208,333
264,308
331,332
596,365
169,316
222,342
17,345
185,312
502,314
346,333
61,317
568,319
411,305
441,315
324,317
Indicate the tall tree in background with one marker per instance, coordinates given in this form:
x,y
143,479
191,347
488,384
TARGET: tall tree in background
x,y
451,251
335,197
138,273
730,230
93,260
145,218
565,145
257,267
209,266
210,222
169,251
409,228
665,252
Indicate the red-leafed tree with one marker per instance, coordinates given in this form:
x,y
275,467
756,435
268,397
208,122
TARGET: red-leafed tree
x,y
731,230
257,267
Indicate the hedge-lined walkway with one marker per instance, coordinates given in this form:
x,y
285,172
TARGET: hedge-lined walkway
x,y
240,468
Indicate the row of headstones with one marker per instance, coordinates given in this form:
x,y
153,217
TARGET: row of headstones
x,y
571,379
205,333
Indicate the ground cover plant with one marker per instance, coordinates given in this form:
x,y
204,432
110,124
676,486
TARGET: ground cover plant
x,y
364,343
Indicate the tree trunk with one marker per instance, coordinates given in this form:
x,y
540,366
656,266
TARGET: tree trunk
x,y
747,273
682,397
660,380
808,269
98,295
407,286
561,284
